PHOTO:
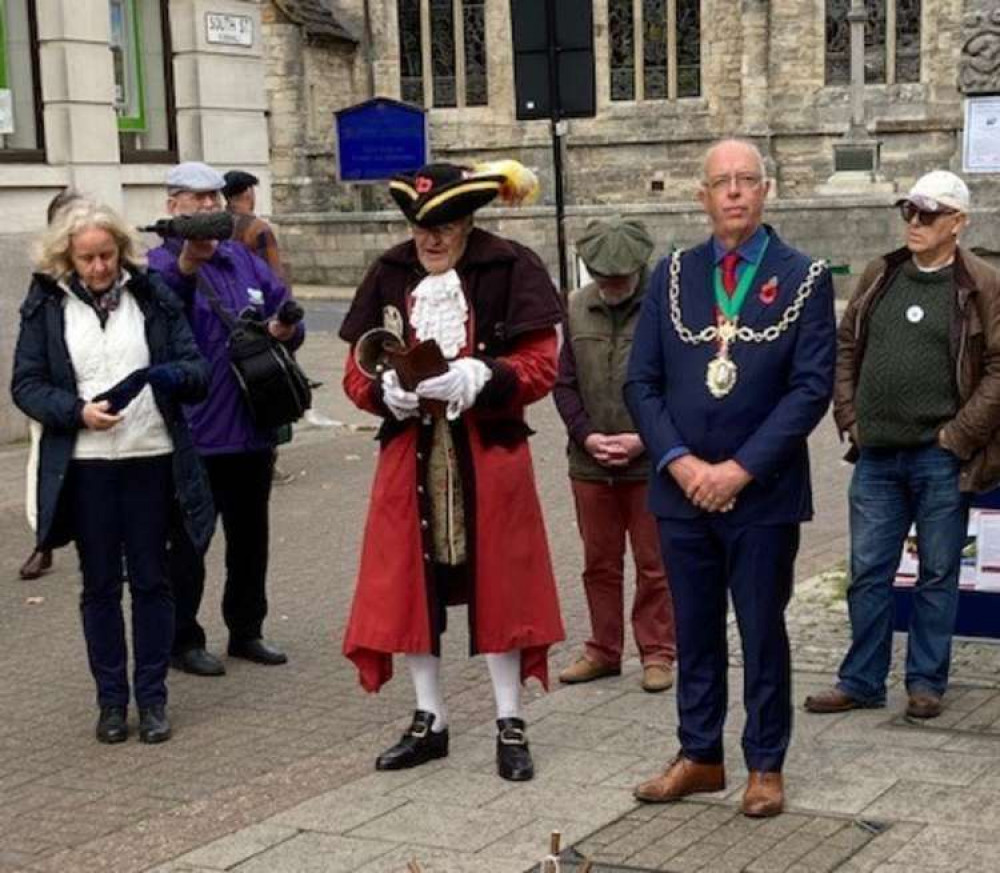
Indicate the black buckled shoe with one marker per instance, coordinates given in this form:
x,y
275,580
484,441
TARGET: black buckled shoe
x,y
112,724
513,757
154,726
417,746
257,651
198,662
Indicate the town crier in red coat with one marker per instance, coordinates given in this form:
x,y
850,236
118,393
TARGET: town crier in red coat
x,y
453,334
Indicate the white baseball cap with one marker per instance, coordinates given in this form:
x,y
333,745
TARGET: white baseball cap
x,y
938,191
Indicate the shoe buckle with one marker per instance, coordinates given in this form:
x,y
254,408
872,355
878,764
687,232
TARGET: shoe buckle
x,y
419,730
512,737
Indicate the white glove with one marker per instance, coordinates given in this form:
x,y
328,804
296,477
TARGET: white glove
x,y
402,404
459,387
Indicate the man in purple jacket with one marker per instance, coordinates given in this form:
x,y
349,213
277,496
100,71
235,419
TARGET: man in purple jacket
x,y
237,454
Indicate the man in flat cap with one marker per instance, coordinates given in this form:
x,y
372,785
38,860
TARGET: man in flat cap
x,y
608,465
918,396
215,278
248,227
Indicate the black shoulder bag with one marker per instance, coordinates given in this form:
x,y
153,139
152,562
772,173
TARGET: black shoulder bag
x,y
276,390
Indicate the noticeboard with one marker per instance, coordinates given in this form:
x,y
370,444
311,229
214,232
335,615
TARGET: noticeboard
x,y
378,139
981,138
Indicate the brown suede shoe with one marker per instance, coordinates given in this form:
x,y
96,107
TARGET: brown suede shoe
x,y
924,704
585,670
833,700
657,677
681,778
38,564
765,795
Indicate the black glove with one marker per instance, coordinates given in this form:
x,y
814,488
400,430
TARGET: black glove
x,y
167,378
290,312
121,395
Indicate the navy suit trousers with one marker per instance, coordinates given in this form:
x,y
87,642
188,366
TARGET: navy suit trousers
x,y
706,558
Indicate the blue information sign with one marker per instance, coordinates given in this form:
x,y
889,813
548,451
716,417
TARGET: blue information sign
x,y
378,139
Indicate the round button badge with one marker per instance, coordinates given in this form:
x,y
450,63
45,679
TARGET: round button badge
x,y
915,314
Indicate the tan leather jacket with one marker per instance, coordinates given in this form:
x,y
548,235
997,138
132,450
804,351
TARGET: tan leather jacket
x,y
974,433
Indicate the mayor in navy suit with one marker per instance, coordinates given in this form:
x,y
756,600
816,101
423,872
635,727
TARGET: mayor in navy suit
x,y
731,369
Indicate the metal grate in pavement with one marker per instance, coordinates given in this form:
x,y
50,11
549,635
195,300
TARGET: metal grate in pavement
x,y
699,837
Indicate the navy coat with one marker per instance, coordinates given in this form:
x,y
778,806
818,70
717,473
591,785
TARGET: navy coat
x,y
782,392
44,388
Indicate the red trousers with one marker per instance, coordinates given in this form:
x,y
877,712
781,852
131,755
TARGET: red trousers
x,y
605,514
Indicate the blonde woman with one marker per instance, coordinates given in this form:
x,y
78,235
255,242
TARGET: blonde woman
x,y
103,361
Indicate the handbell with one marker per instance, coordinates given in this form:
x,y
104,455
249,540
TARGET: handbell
x,y
375,349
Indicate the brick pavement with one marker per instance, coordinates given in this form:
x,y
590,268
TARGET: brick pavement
x,y
267,763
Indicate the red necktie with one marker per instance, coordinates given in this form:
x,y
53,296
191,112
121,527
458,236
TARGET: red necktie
x,y
729,262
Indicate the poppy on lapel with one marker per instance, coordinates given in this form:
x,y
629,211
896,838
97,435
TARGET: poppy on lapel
x,y
769,291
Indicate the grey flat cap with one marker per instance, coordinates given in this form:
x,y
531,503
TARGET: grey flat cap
x,y
615,246
194,176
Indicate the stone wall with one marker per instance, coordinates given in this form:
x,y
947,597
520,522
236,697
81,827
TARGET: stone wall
x,y
336,249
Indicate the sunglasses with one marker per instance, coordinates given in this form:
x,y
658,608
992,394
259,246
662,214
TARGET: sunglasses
x,y
925,217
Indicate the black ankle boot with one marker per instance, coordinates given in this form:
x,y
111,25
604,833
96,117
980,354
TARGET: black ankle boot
x,y
513,757
112,724
154,726
417,746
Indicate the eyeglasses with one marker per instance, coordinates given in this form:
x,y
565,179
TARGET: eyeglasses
x,y
924,216
743,182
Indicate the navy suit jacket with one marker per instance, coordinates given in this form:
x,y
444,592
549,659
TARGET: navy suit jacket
x,y
782,392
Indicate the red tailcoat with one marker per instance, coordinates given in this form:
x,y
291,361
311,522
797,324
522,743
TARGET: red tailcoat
x,y
513,602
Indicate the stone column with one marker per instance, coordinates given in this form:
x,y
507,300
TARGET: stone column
x,y
754,66
857,18
81,129
220,92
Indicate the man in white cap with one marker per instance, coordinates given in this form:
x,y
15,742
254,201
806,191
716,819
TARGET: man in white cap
x,y
918,395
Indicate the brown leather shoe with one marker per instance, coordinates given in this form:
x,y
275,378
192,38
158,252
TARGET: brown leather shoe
x,y
924,704
833,700
585,670
657,677
765,794
38,564
681,778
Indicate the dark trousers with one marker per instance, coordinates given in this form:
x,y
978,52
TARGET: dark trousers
x,y
705,558
241,489
606,514
120,513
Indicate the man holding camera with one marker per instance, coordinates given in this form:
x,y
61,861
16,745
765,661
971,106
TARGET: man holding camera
x,y
221,281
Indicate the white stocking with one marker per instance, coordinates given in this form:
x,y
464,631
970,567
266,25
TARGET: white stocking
x,y
425,671
505,672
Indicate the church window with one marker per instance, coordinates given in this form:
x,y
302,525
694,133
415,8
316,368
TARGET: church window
x,y
892,42
655,49
442,51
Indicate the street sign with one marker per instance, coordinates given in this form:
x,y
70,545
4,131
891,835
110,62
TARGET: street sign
x,y
378,139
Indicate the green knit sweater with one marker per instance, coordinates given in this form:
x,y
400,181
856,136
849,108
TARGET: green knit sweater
x,y
906,390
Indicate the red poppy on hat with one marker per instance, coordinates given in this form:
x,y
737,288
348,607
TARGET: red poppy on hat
x,y
769,291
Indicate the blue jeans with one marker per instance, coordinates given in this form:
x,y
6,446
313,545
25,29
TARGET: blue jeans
x,y
890,490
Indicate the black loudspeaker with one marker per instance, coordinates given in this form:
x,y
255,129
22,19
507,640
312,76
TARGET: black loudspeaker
x,y
567,26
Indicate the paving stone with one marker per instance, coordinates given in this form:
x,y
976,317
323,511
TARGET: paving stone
x,y
597,803
937,804
938,847
847,794
337,812
440,861
577,767
237,847
447,784
929,765
316,853
448,827
578,731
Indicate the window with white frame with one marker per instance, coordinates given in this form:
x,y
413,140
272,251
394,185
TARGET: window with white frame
x,y
892,42
140,36
654,49
20,93
442,52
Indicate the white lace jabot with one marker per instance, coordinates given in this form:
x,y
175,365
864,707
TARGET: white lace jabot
x,y
440,312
